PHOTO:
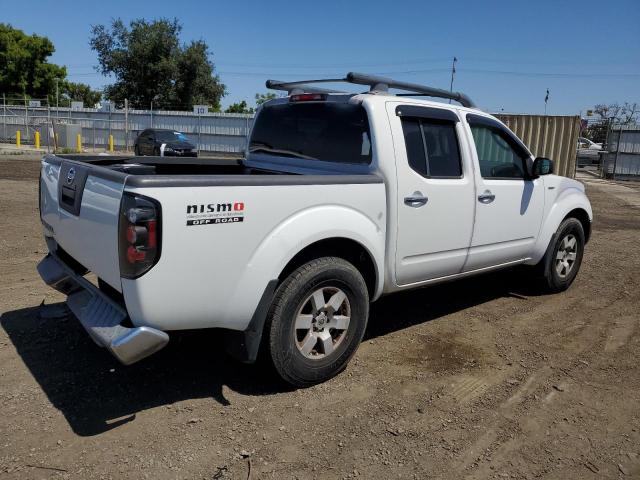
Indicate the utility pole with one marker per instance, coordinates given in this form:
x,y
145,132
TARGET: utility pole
x,y
453,72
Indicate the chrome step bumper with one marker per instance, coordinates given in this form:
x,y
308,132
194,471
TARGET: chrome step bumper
x,y
100,316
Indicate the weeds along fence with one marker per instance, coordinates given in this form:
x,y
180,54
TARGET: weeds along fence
x,y
211,132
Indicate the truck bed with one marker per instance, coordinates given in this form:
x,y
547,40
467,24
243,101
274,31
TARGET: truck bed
x,y
178,172
202,238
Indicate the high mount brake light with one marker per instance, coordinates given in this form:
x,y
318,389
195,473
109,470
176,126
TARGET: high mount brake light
x,y
139,239
308,97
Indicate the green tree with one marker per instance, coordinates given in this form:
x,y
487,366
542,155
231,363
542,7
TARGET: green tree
x,y
239,107
264,97
80,92
24,69
150,65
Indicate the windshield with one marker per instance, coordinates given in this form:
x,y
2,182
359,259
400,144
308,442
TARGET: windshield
x,y
331,132
165,136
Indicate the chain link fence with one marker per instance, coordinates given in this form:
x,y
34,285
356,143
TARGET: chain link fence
x,y
99,128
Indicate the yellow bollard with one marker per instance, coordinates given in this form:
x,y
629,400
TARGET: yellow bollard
x,y
17,138
111,143
36,139
78,143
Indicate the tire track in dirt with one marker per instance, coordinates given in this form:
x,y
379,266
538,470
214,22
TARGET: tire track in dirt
x,y
493,447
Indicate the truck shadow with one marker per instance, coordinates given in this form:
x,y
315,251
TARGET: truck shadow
x,y
95,393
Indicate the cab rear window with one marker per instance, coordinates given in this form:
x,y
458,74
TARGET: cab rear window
x,y
326,131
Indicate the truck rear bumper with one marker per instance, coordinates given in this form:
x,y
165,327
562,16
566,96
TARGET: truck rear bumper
x,y
101,317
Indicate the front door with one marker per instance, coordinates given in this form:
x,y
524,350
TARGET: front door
x,y
435,205
509,204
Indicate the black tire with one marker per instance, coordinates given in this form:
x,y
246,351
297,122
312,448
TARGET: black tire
x,y
136,151
326,274
156,152
553,280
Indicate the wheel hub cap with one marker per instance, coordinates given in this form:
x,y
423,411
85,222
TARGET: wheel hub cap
x,y
322,322
566,255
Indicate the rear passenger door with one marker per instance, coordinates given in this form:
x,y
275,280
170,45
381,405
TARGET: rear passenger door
x,y
435,208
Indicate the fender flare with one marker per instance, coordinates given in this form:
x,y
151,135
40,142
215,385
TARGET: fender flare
x,y
570,199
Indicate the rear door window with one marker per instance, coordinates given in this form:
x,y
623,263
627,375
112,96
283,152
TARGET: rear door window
x,y
432,147
326,131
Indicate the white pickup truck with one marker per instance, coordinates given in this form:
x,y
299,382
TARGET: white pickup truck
x,y
341,198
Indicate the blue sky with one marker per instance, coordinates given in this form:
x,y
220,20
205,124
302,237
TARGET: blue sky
x,y
509,52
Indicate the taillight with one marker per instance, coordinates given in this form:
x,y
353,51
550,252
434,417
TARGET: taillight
x,y
139,233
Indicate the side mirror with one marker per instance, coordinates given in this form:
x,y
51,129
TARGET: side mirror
x,y
542,166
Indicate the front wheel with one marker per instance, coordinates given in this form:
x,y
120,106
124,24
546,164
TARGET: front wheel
x,y
317,320
564,257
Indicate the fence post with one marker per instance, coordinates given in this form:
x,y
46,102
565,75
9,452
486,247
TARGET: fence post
x,y
199,130
26,117
246,134
110,136
4,115
48,126
17,138
93,124
126,125
79,143
615,160
151,114
36,139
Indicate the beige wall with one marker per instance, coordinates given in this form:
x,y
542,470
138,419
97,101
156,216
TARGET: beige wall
x,y
555,137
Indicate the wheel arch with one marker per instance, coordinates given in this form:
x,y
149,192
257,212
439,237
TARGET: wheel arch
x,y
582,216
346,248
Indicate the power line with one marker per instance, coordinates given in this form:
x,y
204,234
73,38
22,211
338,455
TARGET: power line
x,y
551,74
473,71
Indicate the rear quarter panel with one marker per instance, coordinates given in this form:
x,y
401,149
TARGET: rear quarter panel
x,y
213,275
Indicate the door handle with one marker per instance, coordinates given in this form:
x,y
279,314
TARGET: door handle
x,y
486,197
416,200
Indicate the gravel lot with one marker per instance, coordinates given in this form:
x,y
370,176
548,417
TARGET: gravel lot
x,y
484,378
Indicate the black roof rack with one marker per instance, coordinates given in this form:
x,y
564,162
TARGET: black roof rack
x,y
376,85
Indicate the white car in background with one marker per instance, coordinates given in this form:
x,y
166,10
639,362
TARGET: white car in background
x,y
588,151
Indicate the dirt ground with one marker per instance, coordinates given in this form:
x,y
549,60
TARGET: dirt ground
x,y
484,378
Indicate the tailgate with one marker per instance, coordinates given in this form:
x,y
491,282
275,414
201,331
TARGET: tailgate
x,y
80,205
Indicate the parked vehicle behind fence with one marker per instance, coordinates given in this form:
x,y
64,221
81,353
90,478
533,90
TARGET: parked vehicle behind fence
x,y
342,198
164,143
588,152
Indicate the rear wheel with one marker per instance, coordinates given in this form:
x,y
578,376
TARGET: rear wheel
x,y
564,257
317,320
136,151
